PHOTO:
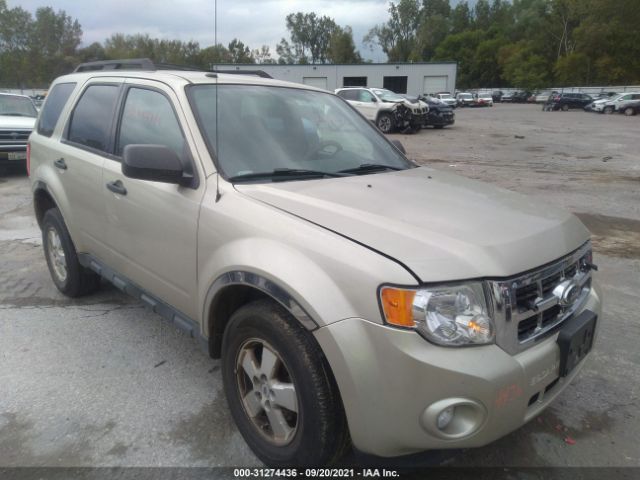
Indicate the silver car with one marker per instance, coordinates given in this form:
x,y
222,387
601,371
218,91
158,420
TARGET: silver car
x,y
354,297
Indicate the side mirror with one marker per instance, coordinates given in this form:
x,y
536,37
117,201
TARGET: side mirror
x,y
156,163
374,99
399,146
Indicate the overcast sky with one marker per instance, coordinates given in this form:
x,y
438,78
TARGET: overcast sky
x,y
255,22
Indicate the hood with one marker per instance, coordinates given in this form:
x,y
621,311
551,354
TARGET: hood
x,y
19,123
441,226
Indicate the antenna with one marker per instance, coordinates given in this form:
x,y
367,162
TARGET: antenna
x,y
215,47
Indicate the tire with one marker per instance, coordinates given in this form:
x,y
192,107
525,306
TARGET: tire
x,y
385,122
565,108
629,111
608,110
317,433
71,278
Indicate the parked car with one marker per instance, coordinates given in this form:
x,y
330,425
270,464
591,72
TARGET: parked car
x,y
440,114
497,96
386,109
543,97
617,103
351,295
520,97
447,98
483,100
507,97
565,101
630,108
464,99
17,118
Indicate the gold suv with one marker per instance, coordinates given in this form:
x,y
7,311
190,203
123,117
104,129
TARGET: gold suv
x,y
353,296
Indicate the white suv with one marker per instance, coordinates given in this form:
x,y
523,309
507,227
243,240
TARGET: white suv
x,y
617,103
381,107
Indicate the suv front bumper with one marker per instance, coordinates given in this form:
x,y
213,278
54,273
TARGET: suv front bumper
x,y
393,384
13,154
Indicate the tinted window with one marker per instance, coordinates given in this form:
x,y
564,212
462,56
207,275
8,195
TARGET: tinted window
x,y
56,100
148,118
91,120
349,94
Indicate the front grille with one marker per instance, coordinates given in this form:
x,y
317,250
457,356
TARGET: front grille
x,y
528,307
14,137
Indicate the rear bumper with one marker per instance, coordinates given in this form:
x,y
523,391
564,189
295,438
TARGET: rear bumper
x,y
392,381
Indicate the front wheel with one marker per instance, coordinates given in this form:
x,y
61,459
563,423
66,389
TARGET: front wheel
x,y
385,122
280,390
608,110
565,108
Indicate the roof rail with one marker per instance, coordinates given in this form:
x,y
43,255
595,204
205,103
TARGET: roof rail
x,y
258,73
128,64
147,64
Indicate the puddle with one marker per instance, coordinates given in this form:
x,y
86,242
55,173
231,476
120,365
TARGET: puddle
x,y
614,236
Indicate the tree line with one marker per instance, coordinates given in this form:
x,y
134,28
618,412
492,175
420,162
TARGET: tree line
x,y
524,43
521,43
35,49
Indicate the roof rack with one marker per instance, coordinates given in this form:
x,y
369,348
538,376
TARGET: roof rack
x,y
147,64
258,73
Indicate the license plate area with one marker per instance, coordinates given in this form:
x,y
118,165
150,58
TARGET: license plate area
x,y
576,340
17,155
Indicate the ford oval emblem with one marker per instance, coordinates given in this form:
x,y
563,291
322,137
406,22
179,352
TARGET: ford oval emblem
x,y
567,292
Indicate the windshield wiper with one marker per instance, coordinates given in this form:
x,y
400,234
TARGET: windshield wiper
x,y
285,173
15,114
368,168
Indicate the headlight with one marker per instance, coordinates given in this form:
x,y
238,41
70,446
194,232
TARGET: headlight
x,y
452,315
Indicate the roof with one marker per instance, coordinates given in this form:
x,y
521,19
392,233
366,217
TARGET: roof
x,y
180,78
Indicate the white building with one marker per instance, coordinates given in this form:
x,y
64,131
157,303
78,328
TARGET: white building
x,y
410,78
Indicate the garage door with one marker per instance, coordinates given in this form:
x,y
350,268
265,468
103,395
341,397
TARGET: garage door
x,y
318,82
434,84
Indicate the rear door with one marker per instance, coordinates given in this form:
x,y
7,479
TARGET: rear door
x,y
151,228
79,157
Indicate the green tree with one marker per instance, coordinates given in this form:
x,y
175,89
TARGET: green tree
x,y
310,35
523,67
342,48
460,18
15,30
397,37
239,52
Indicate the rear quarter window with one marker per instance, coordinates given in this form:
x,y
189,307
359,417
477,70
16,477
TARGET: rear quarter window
x,y
56,100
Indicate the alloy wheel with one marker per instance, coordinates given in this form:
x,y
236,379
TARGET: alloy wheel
x,y
56,255
267,390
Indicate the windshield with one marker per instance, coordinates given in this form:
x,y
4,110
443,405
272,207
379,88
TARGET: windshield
x,y
445,95
14,105
263,129
465,95
387,95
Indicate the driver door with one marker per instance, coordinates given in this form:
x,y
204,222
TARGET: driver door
x,y
151,227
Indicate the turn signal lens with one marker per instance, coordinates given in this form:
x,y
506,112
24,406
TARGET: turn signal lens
x,y
397,305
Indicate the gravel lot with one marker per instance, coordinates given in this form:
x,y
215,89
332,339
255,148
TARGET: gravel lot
x,y
104,382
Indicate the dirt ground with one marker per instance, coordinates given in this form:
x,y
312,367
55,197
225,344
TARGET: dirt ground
x,y
103,382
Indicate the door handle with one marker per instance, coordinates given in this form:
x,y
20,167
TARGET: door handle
x,y
60,163
117,187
